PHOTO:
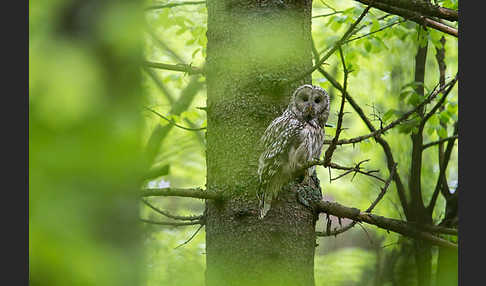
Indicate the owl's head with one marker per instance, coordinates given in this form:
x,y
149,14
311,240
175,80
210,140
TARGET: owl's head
x,y
310,102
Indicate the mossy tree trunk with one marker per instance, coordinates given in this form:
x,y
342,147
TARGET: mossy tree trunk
x,y
252,46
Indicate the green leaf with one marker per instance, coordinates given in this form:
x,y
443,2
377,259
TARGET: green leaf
x,y
407,127
388,114
444,117
195,52
415,99
404,94
442,132
367,46
452,107
430,131
434,120
375,26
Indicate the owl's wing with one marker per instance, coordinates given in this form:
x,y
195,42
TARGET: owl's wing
x,y
277,139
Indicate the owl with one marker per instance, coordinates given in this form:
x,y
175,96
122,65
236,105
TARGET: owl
x,y
291,141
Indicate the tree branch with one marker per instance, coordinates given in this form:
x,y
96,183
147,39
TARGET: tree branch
x,y
369,209
379,30
442,99
356,169
430,144
190,238
423,8
192,218
332,147
443,168
177,67
168,223
415,16
170,5
197,193
395,225
173,123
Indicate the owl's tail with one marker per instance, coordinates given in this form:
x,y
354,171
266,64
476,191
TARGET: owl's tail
x,y
264,202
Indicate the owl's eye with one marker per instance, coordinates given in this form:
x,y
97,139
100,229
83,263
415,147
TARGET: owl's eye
x,y
317,100
305,97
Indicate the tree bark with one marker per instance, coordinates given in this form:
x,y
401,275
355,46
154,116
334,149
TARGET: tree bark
x,y
252,45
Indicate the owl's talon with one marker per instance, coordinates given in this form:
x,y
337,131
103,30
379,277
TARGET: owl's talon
x,y
301,197
308,196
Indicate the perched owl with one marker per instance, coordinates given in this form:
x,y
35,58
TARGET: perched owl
x,y
290,141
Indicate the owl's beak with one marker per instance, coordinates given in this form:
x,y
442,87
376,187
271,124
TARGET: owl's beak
x,y
309,108
308,113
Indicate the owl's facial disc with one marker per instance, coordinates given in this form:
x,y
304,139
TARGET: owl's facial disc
x,y
309,103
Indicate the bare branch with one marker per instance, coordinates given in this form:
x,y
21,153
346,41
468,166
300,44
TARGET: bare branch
x,y
197,193
168,223
423,8
441,27
430,144
326,15
177,67
398,226
369,209
332,147
356,169
443,168
190,238
442,99
173,123
170,5
379,30
199,217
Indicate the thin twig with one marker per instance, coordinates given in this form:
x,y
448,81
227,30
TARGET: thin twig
x,y
326,15
330,150
169,223
430,144
197,193
379,30
170,5
372,206
177,67
190,238
173,123
356,169
404,117
191,218
442,171
384,144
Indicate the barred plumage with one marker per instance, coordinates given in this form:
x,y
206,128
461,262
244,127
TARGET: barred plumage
x,y
292,140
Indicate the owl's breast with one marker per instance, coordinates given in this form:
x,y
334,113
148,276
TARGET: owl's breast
x,y
312,140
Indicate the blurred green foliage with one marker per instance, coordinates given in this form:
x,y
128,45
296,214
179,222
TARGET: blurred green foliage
x,y
85,131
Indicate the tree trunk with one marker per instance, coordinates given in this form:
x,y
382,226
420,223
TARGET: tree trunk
x,y
252,46
422,249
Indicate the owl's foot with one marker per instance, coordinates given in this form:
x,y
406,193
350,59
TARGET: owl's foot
x,y
308,196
